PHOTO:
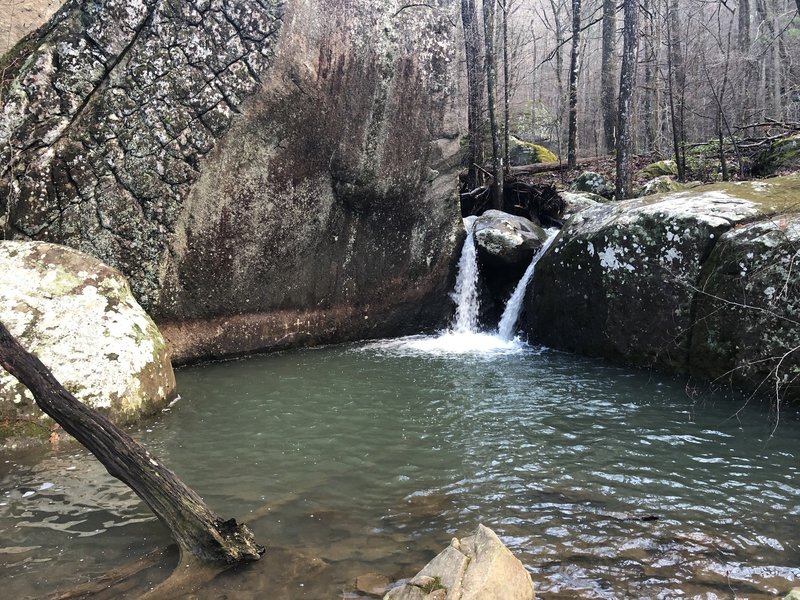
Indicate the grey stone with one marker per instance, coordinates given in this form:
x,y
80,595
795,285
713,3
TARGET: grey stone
x,y
507,239
266,174
79,317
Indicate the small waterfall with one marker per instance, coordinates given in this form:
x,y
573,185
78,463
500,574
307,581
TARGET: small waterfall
x,y
514,305
465,294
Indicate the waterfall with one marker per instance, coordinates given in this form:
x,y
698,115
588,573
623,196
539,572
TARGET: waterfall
x,y
514,305
465,294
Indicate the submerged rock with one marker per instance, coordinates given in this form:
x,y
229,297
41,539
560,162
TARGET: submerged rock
x,y
478,567
701,282
79,317
266,174
507,239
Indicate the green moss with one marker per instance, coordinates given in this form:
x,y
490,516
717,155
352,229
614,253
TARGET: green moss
x,y
19,429
434,585
526,153
782,154
779,195
657,169
63,283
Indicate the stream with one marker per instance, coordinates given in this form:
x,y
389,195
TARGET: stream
x,y
605,482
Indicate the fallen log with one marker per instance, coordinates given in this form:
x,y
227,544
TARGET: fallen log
x,y
546,167
197,530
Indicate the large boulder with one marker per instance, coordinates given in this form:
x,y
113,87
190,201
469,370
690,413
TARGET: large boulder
x,y
521,152
593,183
699,282
265,173
506,239
478,567
79,317
780,155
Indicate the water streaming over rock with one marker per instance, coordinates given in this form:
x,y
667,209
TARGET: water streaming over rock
x,y
508,321
465,294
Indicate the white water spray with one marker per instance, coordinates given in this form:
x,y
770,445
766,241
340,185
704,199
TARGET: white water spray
x,y
465,294
508,321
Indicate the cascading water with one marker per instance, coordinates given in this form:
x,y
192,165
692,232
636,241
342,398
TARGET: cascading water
x,y
505,329
465,294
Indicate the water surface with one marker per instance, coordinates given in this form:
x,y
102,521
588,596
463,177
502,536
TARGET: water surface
x,y
605,482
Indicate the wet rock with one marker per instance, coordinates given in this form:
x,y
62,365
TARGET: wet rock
x,y
507,239
693,282
79,317
478,567
266,174
794,594
593,183
374,584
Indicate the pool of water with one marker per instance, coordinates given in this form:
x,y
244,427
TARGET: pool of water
x,y
605,482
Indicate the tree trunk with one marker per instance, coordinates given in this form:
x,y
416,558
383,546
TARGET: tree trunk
x,y
608,95
676,76
475,86
627,84
491,94
574,66
506,89
195,528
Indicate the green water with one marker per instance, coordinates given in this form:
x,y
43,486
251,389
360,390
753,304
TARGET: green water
x,y
369,458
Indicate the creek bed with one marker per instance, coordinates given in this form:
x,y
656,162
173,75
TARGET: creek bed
x,y
605,482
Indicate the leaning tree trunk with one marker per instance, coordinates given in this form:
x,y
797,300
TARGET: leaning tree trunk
x,y
630,47
195,528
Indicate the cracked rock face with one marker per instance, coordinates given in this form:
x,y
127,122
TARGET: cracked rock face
x,y
79,317
240,158
697,282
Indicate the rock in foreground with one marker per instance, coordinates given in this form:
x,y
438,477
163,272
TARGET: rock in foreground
x,y
79,317
478,567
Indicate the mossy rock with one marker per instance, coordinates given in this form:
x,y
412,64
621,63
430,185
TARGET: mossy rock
x,y
658,169
660,185
593,183
782,154
527,153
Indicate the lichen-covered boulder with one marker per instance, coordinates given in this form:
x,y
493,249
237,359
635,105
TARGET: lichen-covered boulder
x,y
783,154
79,317
521,152
478,567
593,183
266,173
698,282
747,308
507,239
660,185
575,202
658,169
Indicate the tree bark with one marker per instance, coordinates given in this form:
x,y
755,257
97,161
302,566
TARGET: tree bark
x,y
506,89
572,139
475,87
491,94
676,75
608,69
195,528
627,84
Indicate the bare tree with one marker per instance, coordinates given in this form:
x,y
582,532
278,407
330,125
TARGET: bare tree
x,y
475,86
574,67
608,68
491,94
627,83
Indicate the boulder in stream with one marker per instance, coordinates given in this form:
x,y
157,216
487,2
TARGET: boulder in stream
x,y
79,317
506,239
478,567
700,282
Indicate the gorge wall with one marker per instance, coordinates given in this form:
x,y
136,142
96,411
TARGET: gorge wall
x,y
265,173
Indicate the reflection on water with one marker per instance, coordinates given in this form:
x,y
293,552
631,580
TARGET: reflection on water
x,y
606,483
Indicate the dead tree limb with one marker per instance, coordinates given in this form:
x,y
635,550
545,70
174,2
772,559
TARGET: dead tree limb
x,y
197,530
